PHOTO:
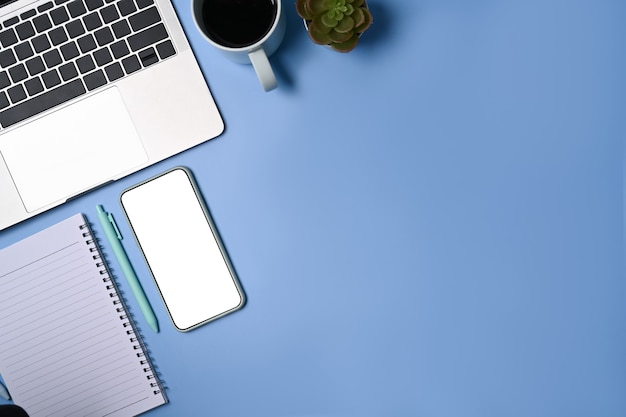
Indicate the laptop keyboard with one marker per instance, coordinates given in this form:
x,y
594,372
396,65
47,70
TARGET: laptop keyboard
x,y
64,48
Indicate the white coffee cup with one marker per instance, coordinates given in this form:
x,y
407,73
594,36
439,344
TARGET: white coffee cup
x,y
246,31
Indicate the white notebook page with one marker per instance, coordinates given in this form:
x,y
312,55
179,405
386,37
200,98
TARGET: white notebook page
x,y
66,345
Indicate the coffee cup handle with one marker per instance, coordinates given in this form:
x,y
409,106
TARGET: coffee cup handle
x,y
263,69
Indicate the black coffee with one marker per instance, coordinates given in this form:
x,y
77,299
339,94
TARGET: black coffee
x,y
238,23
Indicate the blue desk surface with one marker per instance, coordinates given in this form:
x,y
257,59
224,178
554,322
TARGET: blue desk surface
x,y
430,225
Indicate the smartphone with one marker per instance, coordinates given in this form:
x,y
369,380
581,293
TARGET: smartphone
x,y
182,248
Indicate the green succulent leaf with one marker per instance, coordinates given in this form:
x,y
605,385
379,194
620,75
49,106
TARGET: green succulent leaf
x,y
328,20
358,16
319,26
346,46
349,9
302,10
339,37
357,3
316,7
319,37
345,25
337,13
366,23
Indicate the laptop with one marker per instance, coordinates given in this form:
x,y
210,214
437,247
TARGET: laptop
x,y
91,91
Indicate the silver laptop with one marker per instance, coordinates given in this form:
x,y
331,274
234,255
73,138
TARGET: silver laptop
x,y
91,91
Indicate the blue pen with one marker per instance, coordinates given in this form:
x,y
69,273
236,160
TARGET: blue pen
x,y
114,238
4,393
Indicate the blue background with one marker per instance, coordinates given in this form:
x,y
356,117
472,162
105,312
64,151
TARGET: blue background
x,y
430,225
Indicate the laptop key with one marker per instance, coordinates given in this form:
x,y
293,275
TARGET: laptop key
x,y
92,21
18,73
42,23
4,80
41,43
120,29
23,51
41,103
85,64
59,15
51,78
12,21
76,8
144,3
8,38
114,71
94,4
126,7
52,58
25,30
35,66
103,36
69,51
144,19
57,36
109,14
165,49
33,86
94,80
148,57
7,58
74,28
16,93
68,71
4,100
46,6
131,64
28,14
87,43
102,56
119,49
147,37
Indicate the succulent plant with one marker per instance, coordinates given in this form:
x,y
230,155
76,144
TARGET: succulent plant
x,y
338,23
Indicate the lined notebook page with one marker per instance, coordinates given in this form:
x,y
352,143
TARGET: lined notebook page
x,y
67,347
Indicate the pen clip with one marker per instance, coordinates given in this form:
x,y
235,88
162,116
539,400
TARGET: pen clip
x,y
117,231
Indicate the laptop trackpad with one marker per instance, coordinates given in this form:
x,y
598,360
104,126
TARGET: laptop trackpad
x,y
72,150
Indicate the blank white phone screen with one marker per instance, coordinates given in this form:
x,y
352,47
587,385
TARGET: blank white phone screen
x,y
182,249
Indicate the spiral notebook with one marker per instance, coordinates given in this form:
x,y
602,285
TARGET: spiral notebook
x,y
67,344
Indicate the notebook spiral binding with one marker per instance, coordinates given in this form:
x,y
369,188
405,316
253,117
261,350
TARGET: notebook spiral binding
x,y
111,285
